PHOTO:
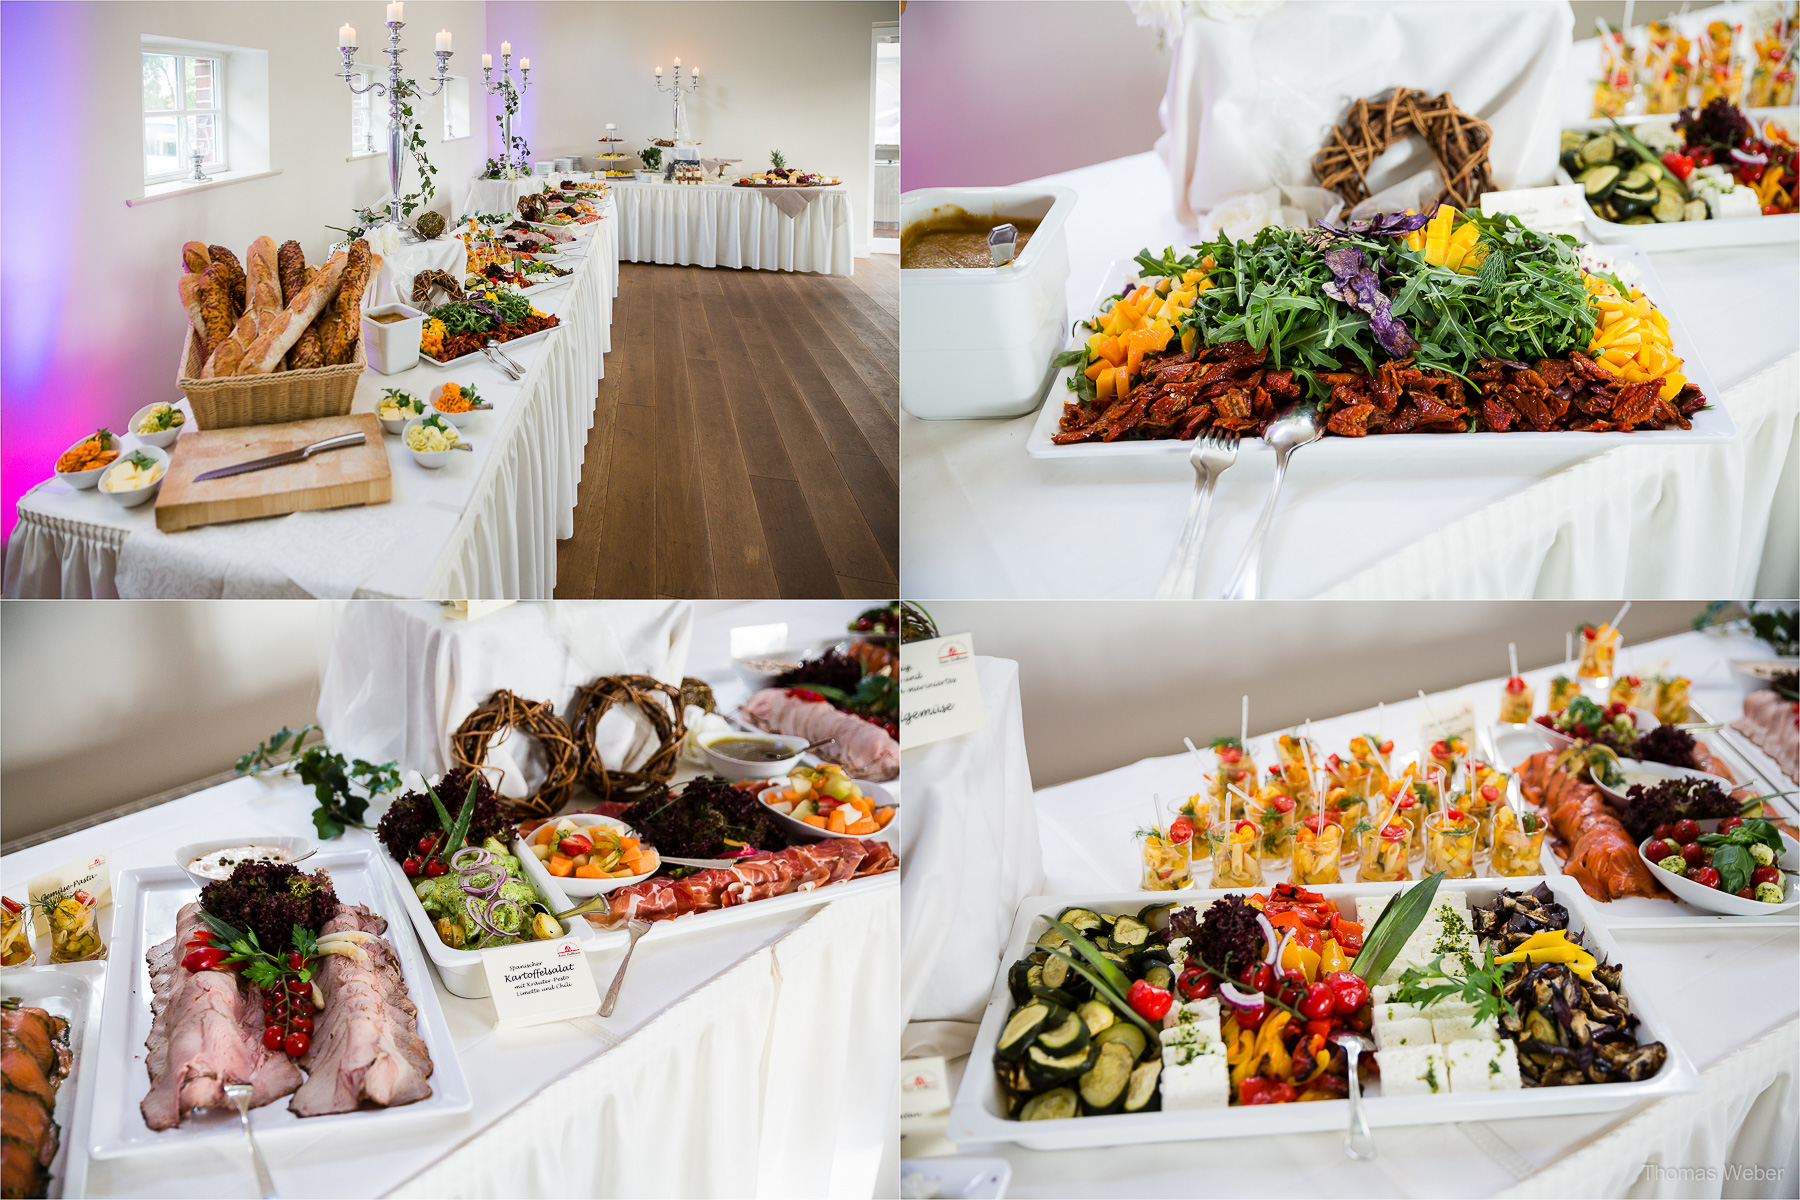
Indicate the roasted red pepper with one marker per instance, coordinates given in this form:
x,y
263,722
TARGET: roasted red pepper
x,y
1149,1001
1349,934
1349,992
1679,163
1322,1027
1257,1090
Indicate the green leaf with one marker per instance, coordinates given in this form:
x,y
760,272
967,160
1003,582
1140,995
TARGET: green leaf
x,y
460,830
1382,943
1070,358
1735,867
1108,969
1112,996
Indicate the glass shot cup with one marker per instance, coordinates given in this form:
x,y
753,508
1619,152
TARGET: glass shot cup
x,y
1450,844
1518,850
1316,841
1385,856
1236,854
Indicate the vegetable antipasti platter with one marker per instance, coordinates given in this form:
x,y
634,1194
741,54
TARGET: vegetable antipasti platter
x,y
1056,1079
69,992
1252,407
150,902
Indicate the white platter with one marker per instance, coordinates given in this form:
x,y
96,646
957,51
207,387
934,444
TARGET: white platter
x,y
607,940
72,991
147,900
461,970
976,1114
505,348
1711,425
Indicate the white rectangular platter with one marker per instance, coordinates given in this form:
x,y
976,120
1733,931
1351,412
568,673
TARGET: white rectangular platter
x,y
1711,425
147,900
1515,744
73,992
977,1115
505,348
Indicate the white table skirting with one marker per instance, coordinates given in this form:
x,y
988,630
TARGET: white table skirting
x,y
972,828
484,526
402,675
1726,992
720,225
984,519
756,1060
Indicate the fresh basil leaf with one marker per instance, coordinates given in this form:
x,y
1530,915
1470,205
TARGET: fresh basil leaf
x,y
1735,867
1070,358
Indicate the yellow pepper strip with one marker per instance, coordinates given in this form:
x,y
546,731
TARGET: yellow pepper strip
x,y
1765,189
1332,957
1299,957
1546,937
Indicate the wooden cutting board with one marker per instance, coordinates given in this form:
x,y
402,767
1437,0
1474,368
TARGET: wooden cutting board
x,y
334,479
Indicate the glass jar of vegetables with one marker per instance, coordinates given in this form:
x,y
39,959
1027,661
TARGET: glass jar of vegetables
x,y
1350,813
1168,866
1599,648
1408,809
1316,842
1562,690
1450,844
1273,810
1385,854
1671,704
1625,690
15,934
1236,776
1516,700
1518,842
74,928
1236,859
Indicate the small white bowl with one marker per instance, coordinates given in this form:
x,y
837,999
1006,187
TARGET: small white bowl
x,y
736,768
1661,771
393,425
874,791
756,678
295,846
162,439
1646,721
90,477
1713,900
581,889
136,496
430,459
458,419
392,346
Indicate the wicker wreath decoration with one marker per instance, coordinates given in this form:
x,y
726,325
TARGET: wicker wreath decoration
x,y
503,712
659,704
1458,142
427,282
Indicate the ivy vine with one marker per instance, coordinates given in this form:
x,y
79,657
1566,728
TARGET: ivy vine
x,y
415,146
519,148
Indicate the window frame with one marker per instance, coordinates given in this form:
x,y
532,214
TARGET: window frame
x,y
219,111
367,74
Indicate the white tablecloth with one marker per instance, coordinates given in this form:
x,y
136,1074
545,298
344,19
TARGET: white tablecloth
x,y
394,282
486,525
983,519
727,1051
1727,992
402,675
721,225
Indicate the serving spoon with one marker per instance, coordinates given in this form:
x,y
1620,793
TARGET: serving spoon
x,y
1359,1143
1298,428
240,1094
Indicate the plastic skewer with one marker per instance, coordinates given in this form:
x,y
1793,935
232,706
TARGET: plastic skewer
x,y
1512,656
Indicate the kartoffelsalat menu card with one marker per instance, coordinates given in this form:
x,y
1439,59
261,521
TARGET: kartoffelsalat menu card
x,y
537,982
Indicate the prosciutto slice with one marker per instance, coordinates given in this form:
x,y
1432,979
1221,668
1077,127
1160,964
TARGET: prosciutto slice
x,y
205,1032
862,749
757,877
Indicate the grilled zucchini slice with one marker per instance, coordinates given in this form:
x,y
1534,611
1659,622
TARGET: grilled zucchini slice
x,y
1597,183
1086,920
1142,1094
1104,1084
1160,976
1097,1016
1639,219
1047,1070
1057,997
1017,981
1023,1024
1694,210
1130,933
1052,1106
1128,1035
1156,916
1065,1036
1597,150
1050,939
1668,208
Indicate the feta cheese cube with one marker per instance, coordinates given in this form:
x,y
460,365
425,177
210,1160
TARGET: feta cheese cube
x,y
1368,908
1200,1015
1184,1045
1408,1031
1413,1071
1203,1083
1480,1066
1178,950
1392,1011
1459,1028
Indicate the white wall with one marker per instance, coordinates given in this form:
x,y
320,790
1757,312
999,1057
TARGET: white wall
x,y
794,77
1107,683
105,703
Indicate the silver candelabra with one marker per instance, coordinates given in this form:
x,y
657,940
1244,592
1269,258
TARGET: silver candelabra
x,y
396,96
509,98
675,92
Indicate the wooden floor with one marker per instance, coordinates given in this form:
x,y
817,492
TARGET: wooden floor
x,y
746,439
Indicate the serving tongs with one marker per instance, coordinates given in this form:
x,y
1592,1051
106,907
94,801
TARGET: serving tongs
x,y
492,351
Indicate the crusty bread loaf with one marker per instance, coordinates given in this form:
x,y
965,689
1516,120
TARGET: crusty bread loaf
x,y
295,275
343,321
229,357
234,277
188,286
215,307
194,258
262,268
287,326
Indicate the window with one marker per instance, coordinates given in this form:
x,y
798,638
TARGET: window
x,y
368,115
456,109
184,111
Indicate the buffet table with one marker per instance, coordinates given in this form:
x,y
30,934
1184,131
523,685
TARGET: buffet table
x,y
983,519
722,225
485,525
1726,990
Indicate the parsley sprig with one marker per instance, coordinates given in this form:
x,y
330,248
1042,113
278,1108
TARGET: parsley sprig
x,y
1477,985
333,779
266,969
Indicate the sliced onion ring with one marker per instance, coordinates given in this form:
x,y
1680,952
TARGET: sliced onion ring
x,y
1755,160
1287,935
1270,938
480,857
1238,997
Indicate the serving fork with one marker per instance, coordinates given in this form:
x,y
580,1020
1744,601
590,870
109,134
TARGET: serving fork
x,y
638,929
492,352
1209,456
240,1095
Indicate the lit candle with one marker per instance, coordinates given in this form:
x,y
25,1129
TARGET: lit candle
x,y
659,72
394,11
487,62
443,39
505,49
524,64
678,64
346,36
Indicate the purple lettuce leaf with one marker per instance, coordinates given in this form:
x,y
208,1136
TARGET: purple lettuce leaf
x,y
1354,284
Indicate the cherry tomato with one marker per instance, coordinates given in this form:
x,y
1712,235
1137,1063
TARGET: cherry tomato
x,y
1771,210
1769,874
1694,855
1250,1018
435,867
1656,849
1729,824
1181,830
1257,977
410,866
1665,832
1706,877
1747,892
1149,1001
1228,754
1196,984
296,1044
1319,1002
296,960
273,1037
1386,747
1321,1027
428,843
303,1024
298,987
1686,831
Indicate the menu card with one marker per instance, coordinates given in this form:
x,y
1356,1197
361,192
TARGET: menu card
x,y
940,696
533,983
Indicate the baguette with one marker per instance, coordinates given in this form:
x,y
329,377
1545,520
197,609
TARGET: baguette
x,y
234,277
291,261
194,258
288,326
263,289
188,286
229,356
342,322
214,293
295,276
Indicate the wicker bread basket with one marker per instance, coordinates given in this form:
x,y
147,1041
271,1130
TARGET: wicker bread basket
x,y
228,401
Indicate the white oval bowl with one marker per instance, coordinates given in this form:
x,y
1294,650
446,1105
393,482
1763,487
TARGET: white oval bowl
x,y
874,791
162,439
1713,900
1662,771
458,419
1646,721
733,768
135,496
90,477
295,846
580,889
429,459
